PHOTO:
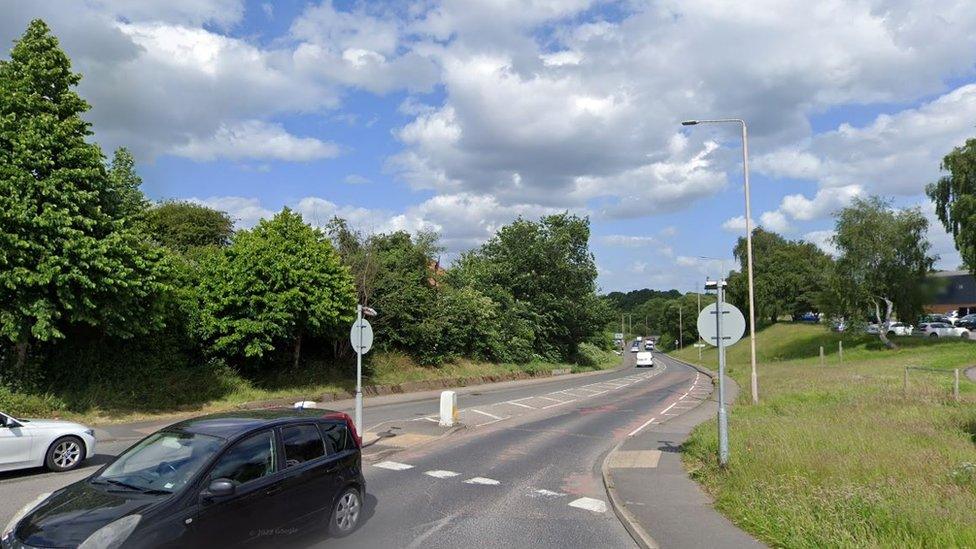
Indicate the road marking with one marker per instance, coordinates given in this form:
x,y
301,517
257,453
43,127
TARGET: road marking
x,y
482,481
419,541
668,408
441,474
493,416
639,429
393,466
549,398
513,403
589,504
430,419
549,493
560,403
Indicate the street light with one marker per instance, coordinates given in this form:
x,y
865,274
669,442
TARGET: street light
x,y
752,299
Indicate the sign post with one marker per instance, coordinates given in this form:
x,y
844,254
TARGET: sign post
x,y
361,336
721,325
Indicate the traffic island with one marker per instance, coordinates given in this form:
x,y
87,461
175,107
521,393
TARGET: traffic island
x,y
652,495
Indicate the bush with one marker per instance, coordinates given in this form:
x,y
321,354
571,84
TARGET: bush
x,y
588,354
29,405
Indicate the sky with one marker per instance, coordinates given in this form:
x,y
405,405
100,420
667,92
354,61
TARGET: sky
x,y
459,116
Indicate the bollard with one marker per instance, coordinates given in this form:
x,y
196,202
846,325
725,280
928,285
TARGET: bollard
x,y
449,410
840,351
821,356
904,389
955,385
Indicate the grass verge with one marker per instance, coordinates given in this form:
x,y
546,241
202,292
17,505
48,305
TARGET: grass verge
x,y
839,455
204,390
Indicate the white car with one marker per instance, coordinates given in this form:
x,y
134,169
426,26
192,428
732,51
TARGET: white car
x,y
55,444
942,329
645,358
900,329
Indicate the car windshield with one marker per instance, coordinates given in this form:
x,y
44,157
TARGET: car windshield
x,y
162,463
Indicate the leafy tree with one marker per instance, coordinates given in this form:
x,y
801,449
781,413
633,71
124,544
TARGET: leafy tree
x,y
357,253
66,252
124,186
954,196
275,284
884,258
788,275
682,312
182,226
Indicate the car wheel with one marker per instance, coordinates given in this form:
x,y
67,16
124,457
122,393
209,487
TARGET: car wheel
x,y
964,335
934,335
65,454
345,513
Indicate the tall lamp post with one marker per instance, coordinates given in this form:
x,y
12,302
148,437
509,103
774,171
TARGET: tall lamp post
x,y
752,299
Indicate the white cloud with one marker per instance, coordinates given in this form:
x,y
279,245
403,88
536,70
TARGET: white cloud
x,y
736,224
356,179
246,212
823,240
775,221
823,204
254,139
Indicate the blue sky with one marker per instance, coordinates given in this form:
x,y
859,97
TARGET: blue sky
x,y
460,116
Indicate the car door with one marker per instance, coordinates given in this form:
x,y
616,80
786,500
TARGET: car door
x,y
15,445
250,515
310,479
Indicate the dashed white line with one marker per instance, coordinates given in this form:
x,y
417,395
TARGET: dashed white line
x,y
549,493
437,473
482,481
493,416
393,466
513,403
589,504
637,430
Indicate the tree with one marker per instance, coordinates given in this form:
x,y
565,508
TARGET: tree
x,y
182,226
67,254
884,259
274,284
788,275
954,196
127,200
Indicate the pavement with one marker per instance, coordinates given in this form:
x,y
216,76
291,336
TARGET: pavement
x,y
649,487
525,469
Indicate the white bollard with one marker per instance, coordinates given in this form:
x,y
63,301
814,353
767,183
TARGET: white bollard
x,y
449,409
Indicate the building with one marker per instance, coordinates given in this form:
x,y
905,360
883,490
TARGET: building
x,y
952,290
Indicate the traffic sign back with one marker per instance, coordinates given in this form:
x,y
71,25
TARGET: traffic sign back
x,y
733,324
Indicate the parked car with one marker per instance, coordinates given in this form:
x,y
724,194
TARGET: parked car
x,y
807,317
645,358
927,319
222,480
55,444
900,329
968,322
942,329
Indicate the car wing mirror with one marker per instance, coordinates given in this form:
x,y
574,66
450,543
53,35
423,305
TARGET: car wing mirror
x,y
219,488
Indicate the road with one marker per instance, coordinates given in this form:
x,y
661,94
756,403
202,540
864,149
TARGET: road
x,y
528,477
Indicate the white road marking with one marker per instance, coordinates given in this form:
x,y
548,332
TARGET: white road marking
x,y
513,403
669,407
493,416
553,399
549,493
590,504
430,419
393,466
639,429
441,474
483,481
419,541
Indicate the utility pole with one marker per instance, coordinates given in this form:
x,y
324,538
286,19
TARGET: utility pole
x,y
681,339
699,343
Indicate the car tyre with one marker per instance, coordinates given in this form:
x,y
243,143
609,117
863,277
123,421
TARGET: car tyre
x,y
964,335
65,454
346,511
934,335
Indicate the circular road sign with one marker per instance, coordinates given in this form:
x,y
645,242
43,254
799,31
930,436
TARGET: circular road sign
x,y
361,336
733,324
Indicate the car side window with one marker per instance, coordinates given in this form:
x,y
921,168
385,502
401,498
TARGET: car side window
x,y
336,436
302,443
247,460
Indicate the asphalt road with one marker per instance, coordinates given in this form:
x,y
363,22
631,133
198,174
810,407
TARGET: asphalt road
x,y
531,480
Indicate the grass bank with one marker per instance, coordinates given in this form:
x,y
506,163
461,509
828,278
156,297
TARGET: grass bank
x,y
840,456
206,390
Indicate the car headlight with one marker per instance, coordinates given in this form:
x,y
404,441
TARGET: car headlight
x,y
9,528
112,534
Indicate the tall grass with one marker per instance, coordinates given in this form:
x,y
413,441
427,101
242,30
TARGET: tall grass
x,y
838,456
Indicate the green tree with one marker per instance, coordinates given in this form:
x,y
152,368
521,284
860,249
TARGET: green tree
x,y
124,186
66,252
884,259
954,196
183,226
274,285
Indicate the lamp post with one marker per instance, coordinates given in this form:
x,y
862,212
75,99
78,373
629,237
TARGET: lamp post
x,y
752,299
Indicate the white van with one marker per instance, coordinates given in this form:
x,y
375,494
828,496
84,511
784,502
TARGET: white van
x,y
645,358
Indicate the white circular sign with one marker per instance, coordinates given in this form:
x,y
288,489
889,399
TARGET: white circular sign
x,y
733,324
361,336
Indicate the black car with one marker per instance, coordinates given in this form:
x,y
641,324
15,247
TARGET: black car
x,y
224,480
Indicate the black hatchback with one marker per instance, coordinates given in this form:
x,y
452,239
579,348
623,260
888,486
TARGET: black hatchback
x,y
224,480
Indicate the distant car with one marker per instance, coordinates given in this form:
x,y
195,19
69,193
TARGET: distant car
x,y
942,329
872,329
223,480
55,444
807,317
645,358
839,325
648,345
928,319
900,329
968,322
635,347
